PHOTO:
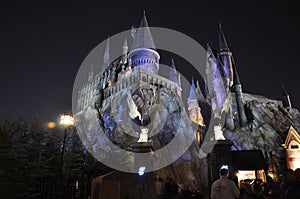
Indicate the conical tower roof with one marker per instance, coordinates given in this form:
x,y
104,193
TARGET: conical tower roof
x,y
286,101
192,95
236,78
125,42
211,51
173,76
106,56
222,40
91,73
143,37
284,92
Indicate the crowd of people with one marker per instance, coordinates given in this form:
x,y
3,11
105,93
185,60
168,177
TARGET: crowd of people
x,y
224,188
169,189
289,188
166,189
257,189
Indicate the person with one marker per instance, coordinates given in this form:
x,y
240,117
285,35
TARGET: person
x,y
258,188
224,188
246,189
294,190
287,182
159,185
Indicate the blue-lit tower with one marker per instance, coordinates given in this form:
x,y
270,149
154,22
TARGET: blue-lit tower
x,y
143,52
232,78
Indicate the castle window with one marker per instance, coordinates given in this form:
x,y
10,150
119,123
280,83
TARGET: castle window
x,y
150,80
158,81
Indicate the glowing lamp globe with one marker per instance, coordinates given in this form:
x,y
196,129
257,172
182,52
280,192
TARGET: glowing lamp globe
x,y
66,120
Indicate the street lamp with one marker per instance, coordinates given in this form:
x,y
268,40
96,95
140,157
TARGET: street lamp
x,y
67,121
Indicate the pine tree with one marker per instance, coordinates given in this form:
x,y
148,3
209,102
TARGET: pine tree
x,y
30,155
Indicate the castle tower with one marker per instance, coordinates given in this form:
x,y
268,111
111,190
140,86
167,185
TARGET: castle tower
x,y
237,86
225,56
193,106
124,52
106,57
143,52
91,74
175,77
286,101
195,113
215,81
232,78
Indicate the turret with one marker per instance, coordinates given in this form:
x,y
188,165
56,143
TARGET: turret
x,y
225,57
237,87
106,57
175,77
195,113
143,52
199,93
124,52
232,80
91,74
286,101
214,79
193,106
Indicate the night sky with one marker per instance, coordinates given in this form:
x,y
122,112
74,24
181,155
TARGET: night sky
x,y
43,43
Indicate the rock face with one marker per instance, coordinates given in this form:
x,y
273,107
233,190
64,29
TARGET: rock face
x,y
268,124
110,138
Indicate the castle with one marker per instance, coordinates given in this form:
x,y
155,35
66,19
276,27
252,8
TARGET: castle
x,y
141,64
251,122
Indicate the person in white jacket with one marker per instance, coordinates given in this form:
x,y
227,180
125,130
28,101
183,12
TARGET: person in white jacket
x,y
224,188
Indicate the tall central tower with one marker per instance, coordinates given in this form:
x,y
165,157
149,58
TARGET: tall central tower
x,y
143,53
232,78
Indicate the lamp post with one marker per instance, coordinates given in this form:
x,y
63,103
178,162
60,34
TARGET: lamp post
x,y
67,121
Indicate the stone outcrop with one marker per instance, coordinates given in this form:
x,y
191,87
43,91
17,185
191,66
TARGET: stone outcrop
x,y
268,124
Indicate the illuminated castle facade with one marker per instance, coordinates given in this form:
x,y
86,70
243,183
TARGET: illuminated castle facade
x,y
137,67
132,83
140,65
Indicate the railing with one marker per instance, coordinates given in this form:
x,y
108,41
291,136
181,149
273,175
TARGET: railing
x,y
63,188
141,76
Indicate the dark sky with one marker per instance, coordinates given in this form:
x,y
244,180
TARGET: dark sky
x,y
43,43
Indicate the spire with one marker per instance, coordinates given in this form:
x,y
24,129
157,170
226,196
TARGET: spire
x,y
192,95
193,106
125,51
236,78
284,92
143,54
91,73
173,73
211,52
237,88
222,41
125,43
286,101
179,80
106,57
143,37
199,92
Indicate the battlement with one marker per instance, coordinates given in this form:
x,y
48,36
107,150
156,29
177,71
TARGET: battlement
x,y
138,78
